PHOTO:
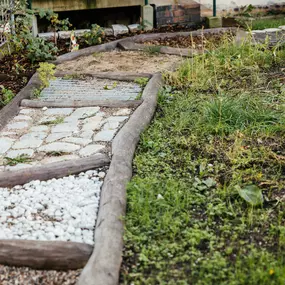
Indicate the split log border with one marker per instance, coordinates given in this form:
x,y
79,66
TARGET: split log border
x,y
12,109
103,267
47,255
120,76
78,104
52,170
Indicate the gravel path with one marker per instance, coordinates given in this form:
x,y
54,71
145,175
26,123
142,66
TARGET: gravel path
x,y
59,209
27,276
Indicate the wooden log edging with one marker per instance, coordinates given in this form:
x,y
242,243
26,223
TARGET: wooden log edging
x,y
12,109
104,265
79,104
185,52
52,170
120,76
47,255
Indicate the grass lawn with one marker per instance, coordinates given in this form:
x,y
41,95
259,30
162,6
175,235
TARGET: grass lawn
x,y
206,203
267,23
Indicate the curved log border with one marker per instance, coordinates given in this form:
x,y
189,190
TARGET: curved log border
x,y
120,76
104,265
52,170
47,255
79,104
12,109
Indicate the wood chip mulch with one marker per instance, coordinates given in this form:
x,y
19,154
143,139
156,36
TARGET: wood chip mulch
x,y
27,276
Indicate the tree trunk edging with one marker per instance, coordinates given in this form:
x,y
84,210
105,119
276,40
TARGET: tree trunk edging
x,y
79,104
46,255
12,109
52,170
120,76
104,265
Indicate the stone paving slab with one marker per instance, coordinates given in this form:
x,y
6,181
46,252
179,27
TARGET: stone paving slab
x,y
48,135
90,89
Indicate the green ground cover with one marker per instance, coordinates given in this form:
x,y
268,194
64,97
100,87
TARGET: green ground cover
x,y
206,203
261,24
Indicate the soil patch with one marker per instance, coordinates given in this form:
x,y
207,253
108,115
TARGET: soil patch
x,y
121,61
197,42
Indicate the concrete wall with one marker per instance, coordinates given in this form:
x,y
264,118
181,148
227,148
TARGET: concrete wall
x,y
229,5
71,5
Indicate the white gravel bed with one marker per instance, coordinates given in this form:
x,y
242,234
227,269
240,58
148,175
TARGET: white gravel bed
x,y
59,209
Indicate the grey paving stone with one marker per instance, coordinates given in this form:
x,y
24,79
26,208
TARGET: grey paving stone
x,y
117,119
91,149
48,119
27,111
23,118
123,112
33,135
80,141
5,144
59,147
28,143
104,136
93,123
18,125
58,112
57,136
16,153
7,134
65,127
85,112
111,125
39,129
86,134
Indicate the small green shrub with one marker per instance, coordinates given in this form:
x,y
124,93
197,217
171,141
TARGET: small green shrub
x,y
46,73
7,95
95,36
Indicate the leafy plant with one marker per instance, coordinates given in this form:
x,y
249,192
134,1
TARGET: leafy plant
x,y
251,194
7,95
57,153
34,48
46,73
95,36
56,23
141,81
19,159
152,50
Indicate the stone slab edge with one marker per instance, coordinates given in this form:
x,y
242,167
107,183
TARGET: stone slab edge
x,y
12,109
47,255
104,265
137,39
52,170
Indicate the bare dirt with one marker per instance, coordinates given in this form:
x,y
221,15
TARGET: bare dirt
x,y
119,61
